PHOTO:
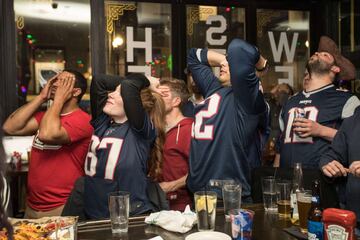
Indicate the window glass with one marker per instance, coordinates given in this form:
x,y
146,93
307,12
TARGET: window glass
x,y
50,36
283,38
213,27
138,38
349,39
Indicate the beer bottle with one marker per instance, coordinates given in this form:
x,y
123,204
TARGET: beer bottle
x,y
297,186
315,225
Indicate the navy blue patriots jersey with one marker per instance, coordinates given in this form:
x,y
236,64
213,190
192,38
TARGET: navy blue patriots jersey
x,y
225,122
327,106
116,150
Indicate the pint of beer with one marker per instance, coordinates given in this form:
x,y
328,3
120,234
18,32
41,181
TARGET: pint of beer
x,y
304,205
284,207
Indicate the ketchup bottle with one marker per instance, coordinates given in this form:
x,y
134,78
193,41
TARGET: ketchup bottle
x,y
339,224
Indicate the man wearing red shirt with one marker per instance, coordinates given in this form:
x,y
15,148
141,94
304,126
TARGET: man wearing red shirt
x,y
60,145
177,144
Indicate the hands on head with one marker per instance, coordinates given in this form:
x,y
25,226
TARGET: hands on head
x,y
155,86
65,87
46,91
60,87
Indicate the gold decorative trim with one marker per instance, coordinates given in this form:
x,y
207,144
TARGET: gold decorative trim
x,y
113,12
193,16
352,26
264,18
20,22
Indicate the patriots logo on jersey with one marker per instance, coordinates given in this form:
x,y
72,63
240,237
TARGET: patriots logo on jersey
x,y
109,131
305,102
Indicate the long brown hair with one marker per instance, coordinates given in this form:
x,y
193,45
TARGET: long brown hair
x,y
155,107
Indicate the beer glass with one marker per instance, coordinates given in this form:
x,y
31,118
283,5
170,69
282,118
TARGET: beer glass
x,y
304,205
283,190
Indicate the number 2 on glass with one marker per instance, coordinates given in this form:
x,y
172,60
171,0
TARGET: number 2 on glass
x,y
114,145
202,131
290,136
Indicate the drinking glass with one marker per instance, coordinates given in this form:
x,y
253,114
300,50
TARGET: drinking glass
x,y
205,207
119,211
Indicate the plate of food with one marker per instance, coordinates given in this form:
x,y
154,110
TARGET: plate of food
x,y
208,235
47,228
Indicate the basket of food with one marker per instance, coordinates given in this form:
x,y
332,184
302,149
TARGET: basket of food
x,y
47,228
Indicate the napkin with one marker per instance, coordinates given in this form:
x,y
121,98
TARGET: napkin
x,y
156,238
174,221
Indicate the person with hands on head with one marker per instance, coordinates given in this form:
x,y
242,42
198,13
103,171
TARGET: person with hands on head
x,y
177,144
226,121
341,163
128,117
62,136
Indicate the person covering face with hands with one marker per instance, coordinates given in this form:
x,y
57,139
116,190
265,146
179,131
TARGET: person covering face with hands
x,y
177,144
62,135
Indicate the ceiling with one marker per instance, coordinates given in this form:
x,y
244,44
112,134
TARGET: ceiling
x,y
54,10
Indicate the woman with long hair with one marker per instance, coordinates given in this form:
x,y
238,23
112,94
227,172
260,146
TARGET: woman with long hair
x,y
126,147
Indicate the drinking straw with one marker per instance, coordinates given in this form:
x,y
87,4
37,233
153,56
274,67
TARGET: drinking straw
x,y
275,173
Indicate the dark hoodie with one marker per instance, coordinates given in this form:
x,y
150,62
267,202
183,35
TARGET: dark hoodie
x,y
176,161
345,149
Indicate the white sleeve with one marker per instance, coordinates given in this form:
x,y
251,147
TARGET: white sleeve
x,y
5,195
281,122
351,104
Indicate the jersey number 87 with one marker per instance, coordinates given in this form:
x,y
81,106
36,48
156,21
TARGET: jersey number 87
x,y
114,145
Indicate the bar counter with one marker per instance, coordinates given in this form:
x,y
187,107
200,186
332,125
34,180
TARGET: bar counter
x,y
266,226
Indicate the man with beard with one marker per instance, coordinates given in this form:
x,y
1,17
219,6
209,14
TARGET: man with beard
x,y
310,119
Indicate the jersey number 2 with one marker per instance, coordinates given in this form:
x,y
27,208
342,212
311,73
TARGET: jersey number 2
x,y
202,131
290,136
114,145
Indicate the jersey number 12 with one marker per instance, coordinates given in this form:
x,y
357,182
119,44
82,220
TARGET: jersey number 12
x,y
290,136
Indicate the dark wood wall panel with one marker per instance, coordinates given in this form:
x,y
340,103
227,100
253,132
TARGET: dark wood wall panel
x,y
8,89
